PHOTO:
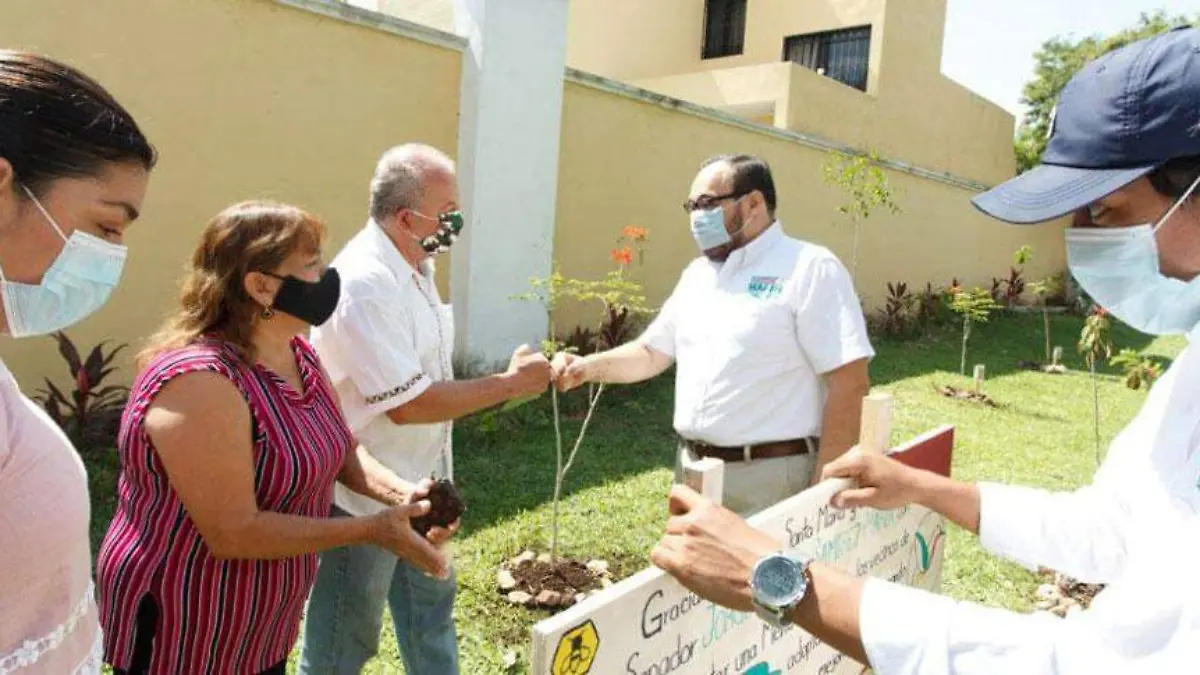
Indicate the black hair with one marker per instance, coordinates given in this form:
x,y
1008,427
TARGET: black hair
x,y
750,173
56,122
1175,177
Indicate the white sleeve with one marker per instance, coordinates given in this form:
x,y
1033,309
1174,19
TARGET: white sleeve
x,y
660,334
1081,533
378,344
907,631
829,319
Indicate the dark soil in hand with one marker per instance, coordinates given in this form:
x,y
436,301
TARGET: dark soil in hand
x,y
965,395
446,506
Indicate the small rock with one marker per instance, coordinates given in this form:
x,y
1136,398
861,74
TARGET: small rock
x,y
510,659
506,580
519,598
1048,592
544,558
527,556
580,597
1045,604
1059,610
605,582
550,598
598,566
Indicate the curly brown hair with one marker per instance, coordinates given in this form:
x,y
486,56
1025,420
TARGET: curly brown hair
x,y
253,236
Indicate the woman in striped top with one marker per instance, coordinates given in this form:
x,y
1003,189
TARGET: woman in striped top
x,y
230,445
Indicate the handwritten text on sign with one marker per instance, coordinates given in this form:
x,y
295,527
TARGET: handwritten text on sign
x,y
650,625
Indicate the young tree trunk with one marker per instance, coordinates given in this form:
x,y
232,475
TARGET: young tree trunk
x,y
1095,407
561,474
1046,327
558,475
962,364
854,251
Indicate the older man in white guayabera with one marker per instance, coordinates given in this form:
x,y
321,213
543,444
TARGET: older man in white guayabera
x,y
768,338
388,348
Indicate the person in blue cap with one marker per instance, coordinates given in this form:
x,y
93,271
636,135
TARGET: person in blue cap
x,y
1124,150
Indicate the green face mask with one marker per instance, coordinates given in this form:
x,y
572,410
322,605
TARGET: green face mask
x,y
450,224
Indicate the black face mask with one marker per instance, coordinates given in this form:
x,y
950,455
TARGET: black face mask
x,y
312,302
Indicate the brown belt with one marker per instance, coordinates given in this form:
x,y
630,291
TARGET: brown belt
x,y
770,450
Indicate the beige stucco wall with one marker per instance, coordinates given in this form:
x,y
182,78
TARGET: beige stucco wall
x,y
639,39
630,162
244,99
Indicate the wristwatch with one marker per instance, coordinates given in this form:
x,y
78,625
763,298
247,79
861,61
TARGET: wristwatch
x,y
778,583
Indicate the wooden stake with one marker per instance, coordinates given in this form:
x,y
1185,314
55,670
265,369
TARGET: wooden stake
x,y
707,477
1057,359
979,373
875,431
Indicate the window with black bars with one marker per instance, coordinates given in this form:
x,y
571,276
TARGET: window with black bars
x,y
841,54
724,28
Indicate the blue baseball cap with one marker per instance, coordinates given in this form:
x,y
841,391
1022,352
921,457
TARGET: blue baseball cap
x,y
1122,116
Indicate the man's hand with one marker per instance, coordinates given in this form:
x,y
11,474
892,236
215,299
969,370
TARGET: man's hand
x,y
528,371
710,550
882,482
437,536
570,370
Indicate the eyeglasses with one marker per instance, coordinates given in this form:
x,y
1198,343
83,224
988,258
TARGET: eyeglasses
x,y
706,202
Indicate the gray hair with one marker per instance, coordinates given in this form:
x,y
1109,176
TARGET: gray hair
x,y
400,176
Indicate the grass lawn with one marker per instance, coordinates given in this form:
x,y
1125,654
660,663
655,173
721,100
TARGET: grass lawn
x,y
1041,434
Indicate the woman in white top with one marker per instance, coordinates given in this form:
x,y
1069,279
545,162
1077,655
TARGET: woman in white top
x,y
73,172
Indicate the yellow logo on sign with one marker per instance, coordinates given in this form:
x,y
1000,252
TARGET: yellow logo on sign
x,y
576,650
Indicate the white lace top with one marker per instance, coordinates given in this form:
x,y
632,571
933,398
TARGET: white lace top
x,y
48,617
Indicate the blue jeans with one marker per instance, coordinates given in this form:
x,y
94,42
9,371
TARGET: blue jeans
x,y
345,614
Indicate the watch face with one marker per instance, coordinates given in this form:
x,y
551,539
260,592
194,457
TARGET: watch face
x,y
779,580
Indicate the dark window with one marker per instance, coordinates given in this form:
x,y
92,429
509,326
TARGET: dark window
x,y
840,54
724,27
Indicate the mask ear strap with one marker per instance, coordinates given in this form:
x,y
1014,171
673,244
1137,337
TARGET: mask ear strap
x,y
1177,204
38,204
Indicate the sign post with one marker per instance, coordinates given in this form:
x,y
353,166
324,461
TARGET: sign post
x,y
649,624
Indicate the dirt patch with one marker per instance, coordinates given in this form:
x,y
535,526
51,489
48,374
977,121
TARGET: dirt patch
x,y
537,582
1061,595
965,395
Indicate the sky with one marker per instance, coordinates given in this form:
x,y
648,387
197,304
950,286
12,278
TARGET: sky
x,y
990,43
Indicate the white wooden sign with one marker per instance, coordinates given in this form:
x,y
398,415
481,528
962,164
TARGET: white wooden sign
x,y
650,625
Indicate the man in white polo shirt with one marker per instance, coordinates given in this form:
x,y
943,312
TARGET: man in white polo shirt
x,y
387,348
768,338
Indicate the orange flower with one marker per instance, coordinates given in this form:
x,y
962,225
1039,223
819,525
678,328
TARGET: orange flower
x,y
635,233
622,256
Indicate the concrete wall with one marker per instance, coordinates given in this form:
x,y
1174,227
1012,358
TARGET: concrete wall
x,y
243,99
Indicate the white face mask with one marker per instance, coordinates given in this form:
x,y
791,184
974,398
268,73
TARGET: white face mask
x,y
1119,268
78,282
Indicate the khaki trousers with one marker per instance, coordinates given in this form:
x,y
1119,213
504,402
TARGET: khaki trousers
x,y
752,486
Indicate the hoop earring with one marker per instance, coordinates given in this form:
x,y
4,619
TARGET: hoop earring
x,y
267,313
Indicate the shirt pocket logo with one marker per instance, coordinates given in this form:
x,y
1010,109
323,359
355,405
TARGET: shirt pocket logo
x,y
764,287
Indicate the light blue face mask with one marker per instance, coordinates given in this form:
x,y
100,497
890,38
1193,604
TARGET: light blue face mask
x,y
708,228
78,282
1119,268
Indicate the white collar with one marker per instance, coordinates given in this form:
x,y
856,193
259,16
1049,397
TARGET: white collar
x,y
395,261
765,241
